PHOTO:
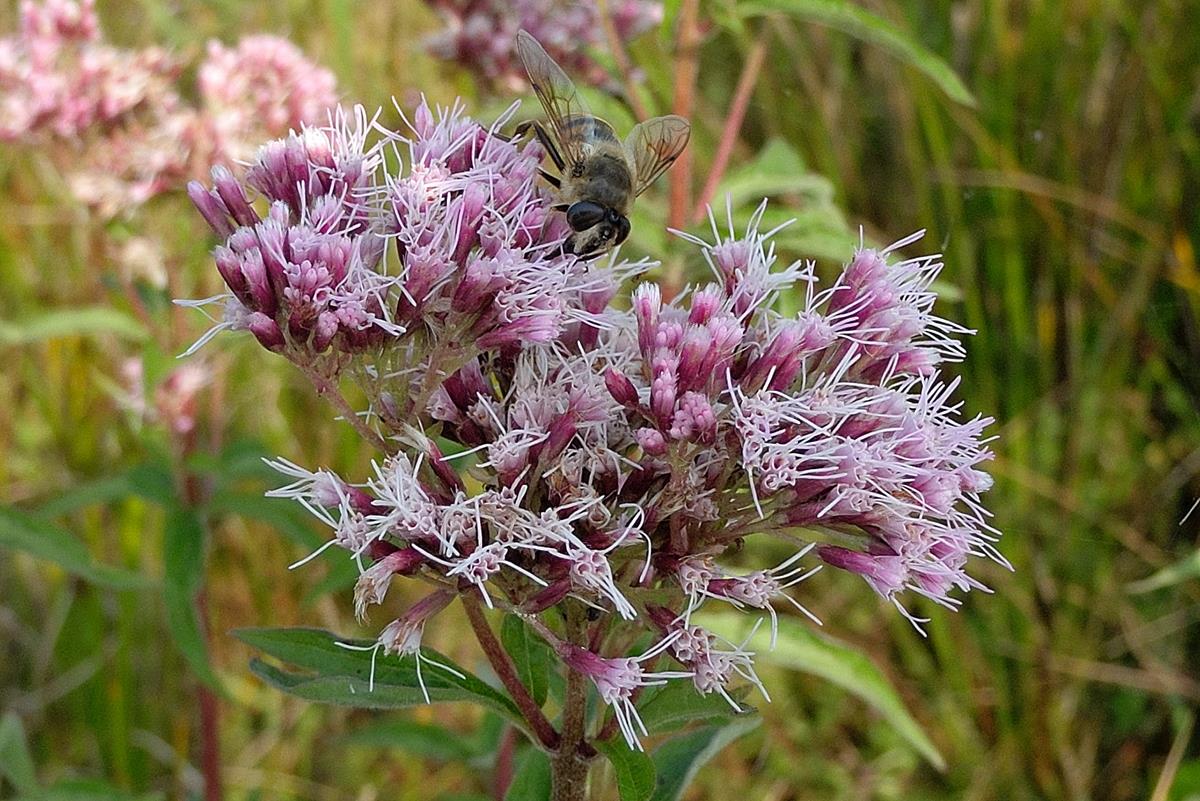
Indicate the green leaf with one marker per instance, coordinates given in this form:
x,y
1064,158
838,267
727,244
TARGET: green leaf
x,y
531,655
241,459
678,761
678,704
777,170
801,648
71,322
1183,570
531,780
45,540
336,675
183,575
86,790
16,763
862,24
635,771
286,517
421,739
150,480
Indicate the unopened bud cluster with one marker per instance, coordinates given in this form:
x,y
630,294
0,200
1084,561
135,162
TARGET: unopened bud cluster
x,y
553,440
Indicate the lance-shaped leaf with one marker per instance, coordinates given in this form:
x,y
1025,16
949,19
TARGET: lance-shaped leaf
x,y
862,24
183,562
678,704
45,540
678,761
635,771
531,780
801,648
332,674
530,654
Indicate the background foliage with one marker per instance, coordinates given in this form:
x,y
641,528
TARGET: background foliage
x,y
1056,160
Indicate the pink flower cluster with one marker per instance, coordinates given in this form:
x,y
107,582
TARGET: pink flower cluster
x,y
607,449
259,89
302,278
479,34
115,117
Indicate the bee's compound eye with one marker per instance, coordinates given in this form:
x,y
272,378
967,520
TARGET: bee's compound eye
x,y
622,229
584,214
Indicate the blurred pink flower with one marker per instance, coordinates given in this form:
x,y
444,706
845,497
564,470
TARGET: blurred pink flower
x,y
258,90
479,34
114,119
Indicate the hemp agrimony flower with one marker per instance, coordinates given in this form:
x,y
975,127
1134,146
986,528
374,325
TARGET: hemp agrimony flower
x,y
557,449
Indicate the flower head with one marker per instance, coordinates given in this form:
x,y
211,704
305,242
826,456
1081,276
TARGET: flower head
x,y
616,448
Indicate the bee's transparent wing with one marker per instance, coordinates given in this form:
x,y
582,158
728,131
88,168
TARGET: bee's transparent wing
x,y
570,120
653,146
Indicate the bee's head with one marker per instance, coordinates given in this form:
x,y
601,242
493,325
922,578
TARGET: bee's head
x,y
597,228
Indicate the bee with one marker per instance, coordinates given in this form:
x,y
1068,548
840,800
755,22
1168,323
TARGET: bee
x,y
598,175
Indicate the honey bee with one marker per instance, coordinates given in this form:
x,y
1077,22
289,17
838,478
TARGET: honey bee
x,y
598,175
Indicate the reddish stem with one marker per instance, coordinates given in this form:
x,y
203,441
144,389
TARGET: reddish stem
x,y
733,123
210,732
687,58
502,775
507,672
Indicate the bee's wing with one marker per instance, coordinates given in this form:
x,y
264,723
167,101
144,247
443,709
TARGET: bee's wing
x,y
569,117
653,146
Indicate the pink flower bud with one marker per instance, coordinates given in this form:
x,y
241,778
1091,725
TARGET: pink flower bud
x,y
705,303
266,331
621,388
233,196
885,574
324,331
647,303
548,597
211,208
651,441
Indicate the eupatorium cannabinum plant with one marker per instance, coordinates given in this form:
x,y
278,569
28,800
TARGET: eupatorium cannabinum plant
x,y
559,442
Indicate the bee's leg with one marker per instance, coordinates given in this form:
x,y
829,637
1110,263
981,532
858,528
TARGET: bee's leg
x,y
521,129
550,178
543,136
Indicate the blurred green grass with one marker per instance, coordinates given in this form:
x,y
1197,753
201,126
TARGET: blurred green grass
x,y
1066,202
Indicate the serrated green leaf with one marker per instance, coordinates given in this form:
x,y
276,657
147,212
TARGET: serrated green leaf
x,y
71,322
183,575
800,648
531,655
862,24
337,675
45,540
531,780
678,761
16,763
678,704
635,771
1184,569
420,739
